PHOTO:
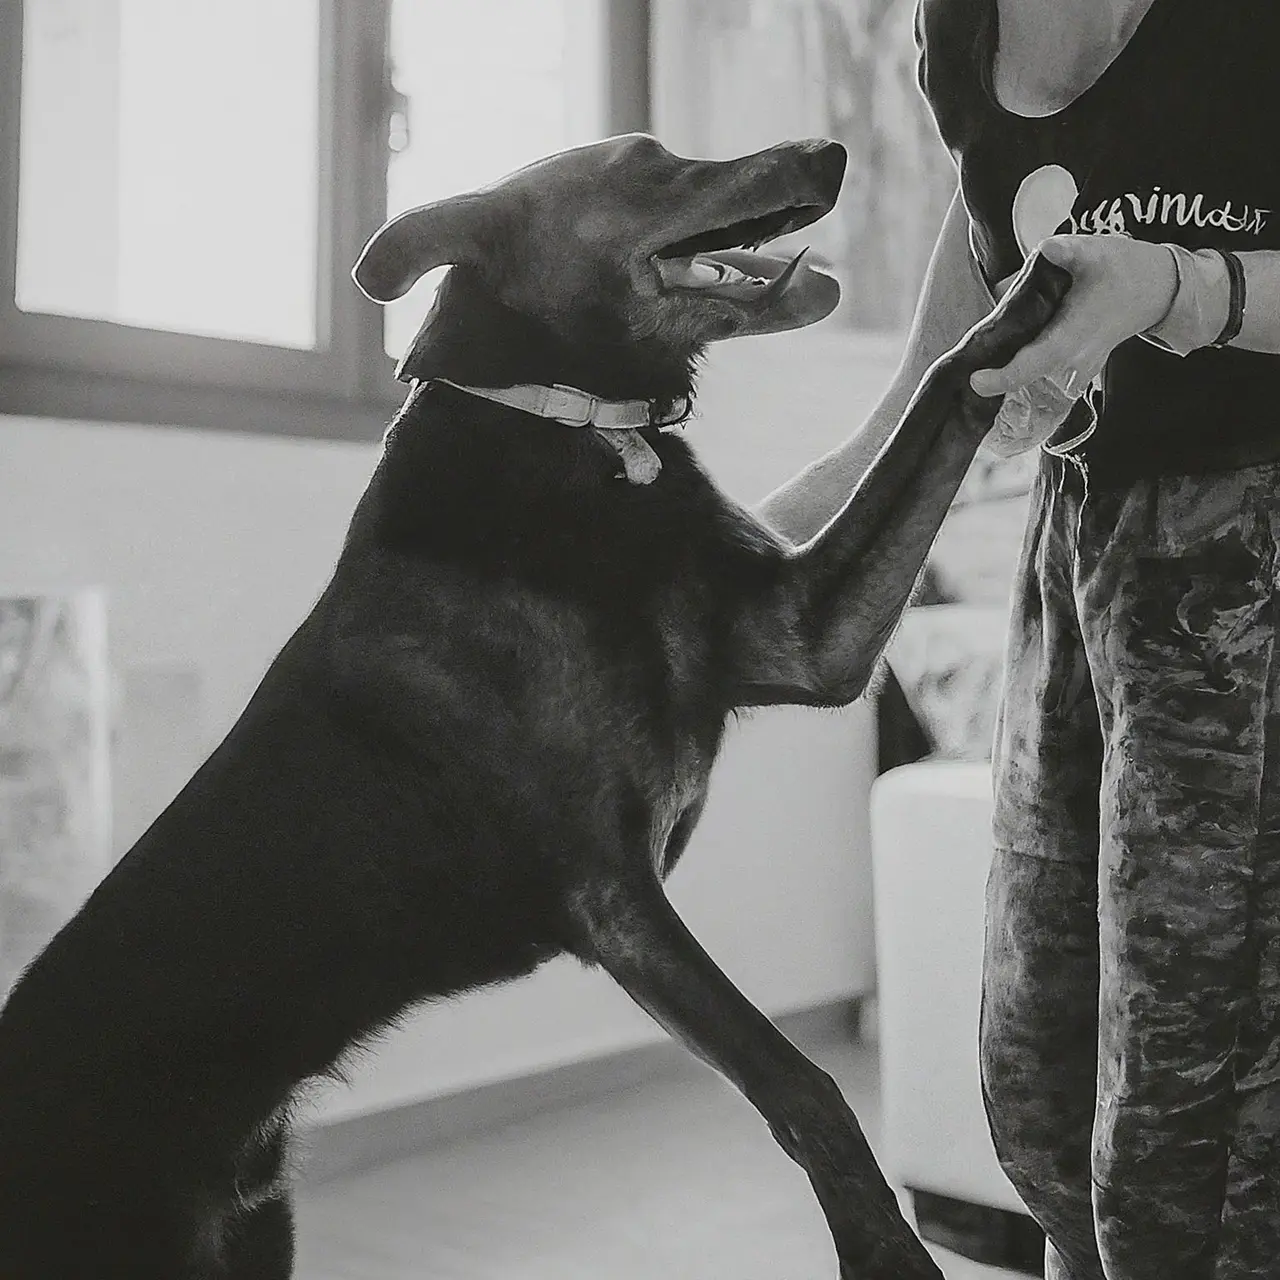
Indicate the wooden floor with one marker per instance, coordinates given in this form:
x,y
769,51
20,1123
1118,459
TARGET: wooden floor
x,y
675,1179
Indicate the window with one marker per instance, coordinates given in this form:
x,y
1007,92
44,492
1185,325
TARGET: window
x,y
184,187
733,76
133,150
526,94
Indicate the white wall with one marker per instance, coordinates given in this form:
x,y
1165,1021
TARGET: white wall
x,y
214,545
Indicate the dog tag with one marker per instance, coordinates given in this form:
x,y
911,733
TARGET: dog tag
x,y
639,461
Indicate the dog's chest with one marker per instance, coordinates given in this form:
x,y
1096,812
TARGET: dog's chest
x,y
677,805
694,719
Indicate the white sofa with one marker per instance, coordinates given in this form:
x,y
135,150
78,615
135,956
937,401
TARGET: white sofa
x,y
931,849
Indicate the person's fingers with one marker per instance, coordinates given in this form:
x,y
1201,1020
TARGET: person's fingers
x,y
1072,253
1071,340
1057,349
1068,381
1067,359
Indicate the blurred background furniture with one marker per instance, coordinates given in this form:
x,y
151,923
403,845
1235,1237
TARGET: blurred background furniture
x,y
931,847
55,779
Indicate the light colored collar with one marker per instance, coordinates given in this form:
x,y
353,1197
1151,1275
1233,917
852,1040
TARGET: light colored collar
x,y
572,407
617,421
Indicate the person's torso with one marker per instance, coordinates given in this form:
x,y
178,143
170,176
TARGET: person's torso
x,y
1178,140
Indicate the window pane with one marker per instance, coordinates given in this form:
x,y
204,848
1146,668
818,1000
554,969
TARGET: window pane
x,y
738,75
489,85
169,165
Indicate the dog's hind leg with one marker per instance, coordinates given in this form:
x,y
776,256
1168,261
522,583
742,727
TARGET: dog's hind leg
x,y
632,931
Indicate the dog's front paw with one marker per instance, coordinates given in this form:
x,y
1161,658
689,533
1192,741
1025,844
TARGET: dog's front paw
x,y
1031,301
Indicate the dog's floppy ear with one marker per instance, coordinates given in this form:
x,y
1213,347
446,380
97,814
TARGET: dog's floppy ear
x,y
403,250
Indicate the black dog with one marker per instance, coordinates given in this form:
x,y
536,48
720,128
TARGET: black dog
x,y
490,741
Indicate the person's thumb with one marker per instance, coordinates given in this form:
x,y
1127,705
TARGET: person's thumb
x,y
1063,251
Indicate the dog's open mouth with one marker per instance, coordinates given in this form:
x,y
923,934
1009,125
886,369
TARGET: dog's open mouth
x,y
722,262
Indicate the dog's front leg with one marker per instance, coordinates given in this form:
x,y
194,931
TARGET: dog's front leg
x,y
632,931
815,634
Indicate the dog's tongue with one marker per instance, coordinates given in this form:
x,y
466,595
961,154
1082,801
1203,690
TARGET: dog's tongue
x,y
772,294
789,295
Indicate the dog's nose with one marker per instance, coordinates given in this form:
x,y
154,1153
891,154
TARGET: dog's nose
x,y
822,162
831,159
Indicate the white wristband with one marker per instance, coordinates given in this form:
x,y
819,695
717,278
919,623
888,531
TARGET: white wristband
x,y
1200,303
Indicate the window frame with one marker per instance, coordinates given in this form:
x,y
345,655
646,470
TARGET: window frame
x,y
343,388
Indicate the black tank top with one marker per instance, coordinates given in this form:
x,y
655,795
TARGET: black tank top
x,y
1177,141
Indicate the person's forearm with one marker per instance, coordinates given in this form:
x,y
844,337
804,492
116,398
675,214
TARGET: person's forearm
x,y
1201,302
804,505
1261,328
952,300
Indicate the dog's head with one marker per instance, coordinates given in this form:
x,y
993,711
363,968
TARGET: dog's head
x,y
622,240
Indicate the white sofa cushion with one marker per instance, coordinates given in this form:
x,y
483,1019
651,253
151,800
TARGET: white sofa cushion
x,y
931,850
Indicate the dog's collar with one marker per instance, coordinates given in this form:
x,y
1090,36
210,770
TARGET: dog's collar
x,y
618,421
576,408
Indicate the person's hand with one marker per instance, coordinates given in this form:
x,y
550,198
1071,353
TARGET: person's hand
x,y
1120,287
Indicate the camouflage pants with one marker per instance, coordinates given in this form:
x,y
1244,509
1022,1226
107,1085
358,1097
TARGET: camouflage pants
x,y
1130,1037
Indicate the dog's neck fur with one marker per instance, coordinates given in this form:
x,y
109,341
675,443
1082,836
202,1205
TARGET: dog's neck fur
x,y
473,338
459,471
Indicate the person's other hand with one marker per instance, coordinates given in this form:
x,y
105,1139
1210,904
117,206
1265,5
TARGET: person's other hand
x,y
1120,287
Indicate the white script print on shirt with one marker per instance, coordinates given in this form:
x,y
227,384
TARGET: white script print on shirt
x,y
1046,198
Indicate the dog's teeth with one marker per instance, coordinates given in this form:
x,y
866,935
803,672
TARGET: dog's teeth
x,y
700,273
784,281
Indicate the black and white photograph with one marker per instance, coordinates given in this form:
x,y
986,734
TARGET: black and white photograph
x,y
639,638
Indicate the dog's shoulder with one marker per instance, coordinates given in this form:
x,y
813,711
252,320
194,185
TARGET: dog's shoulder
x,y
497,494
